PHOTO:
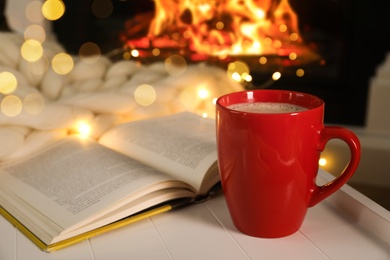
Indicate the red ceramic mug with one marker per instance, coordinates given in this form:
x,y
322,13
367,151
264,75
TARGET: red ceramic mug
x,y
269,161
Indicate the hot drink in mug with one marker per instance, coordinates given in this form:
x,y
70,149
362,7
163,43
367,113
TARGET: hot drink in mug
x,y
267,107
269,144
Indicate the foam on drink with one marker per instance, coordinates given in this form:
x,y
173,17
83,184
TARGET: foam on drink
x,y
267,107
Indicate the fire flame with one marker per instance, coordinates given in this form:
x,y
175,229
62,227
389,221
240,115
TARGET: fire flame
x,y
228,27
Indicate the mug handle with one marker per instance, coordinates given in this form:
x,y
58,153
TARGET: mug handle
x,y
319,193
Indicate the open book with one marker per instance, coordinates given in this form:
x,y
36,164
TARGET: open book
x,y
76,188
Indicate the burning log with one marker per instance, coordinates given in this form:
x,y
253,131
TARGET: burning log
x,y
221,30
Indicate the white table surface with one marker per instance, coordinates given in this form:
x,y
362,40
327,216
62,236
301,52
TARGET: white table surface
x,y
346,226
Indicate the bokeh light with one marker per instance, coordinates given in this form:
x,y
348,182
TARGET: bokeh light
x,y
33,103
35,32
267,41
188,97
145,95
322,162
31,50
83,129
277,44
246,77
34,11
236,77
259,13
293,56
300,72
294,36
62,63
176,36
134,53
203,93
89,52
219,25
282,28
238,71
53,9
38,67
263,60
187,34
156,52
102,8
11,105
276,75
126,55
8,82
175,65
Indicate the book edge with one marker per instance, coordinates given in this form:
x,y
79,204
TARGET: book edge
x,y
76,239
23,229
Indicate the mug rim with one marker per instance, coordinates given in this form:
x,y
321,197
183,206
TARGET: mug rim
x,y
315,104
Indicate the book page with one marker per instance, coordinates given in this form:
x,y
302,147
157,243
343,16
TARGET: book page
x,y
76,179
182,145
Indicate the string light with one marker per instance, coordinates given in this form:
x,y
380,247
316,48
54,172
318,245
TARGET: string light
x,y
322,162
246,77
203,93
277,75
83,129
134,53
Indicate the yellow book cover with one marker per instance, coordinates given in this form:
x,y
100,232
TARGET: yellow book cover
x,y
84,236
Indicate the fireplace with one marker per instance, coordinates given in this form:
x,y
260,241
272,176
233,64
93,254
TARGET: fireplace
x,y
220,31
339,44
